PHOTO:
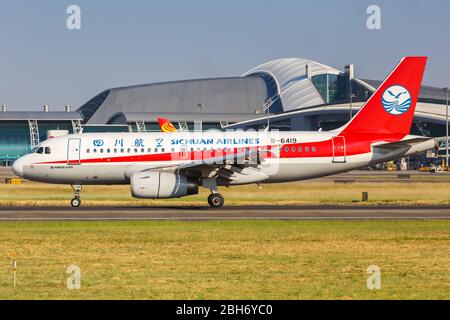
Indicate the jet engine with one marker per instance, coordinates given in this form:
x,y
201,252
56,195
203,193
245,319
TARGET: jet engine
x,y
162,185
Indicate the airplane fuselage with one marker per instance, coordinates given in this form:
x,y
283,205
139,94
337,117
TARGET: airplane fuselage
x,y
110,158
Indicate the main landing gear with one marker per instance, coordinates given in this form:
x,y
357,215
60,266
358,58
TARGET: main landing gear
x,y
216,200
76,201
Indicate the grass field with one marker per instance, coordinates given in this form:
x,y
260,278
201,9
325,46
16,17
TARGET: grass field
x,y
229,259
316,192
223,260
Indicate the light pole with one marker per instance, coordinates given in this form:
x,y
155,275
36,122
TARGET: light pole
x,y
267,105
350,72
446,129
200,106
351,104
351,99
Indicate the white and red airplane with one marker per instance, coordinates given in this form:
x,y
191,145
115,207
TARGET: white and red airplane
x,y
172,165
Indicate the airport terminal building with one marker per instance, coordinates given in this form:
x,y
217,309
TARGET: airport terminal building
x,y
290,94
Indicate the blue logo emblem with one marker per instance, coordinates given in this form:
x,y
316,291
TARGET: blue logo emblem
x,y
396,100
159,142
98,143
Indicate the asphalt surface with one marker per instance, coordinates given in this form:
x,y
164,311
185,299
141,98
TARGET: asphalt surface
x,y
226,213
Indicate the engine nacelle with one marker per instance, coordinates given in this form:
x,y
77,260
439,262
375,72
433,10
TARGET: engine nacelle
x,y
162,185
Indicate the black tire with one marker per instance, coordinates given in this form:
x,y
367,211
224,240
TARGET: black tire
x,y
75,202
216,200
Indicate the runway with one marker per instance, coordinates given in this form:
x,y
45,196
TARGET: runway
x,y
226,213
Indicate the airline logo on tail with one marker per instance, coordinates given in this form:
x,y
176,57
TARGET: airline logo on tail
x,y
166,125
396,100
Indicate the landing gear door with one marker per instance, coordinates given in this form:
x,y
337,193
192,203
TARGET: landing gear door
x,y
339,150
73,151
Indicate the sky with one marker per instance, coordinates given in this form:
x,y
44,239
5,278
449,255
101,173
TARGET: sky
x,y
133,42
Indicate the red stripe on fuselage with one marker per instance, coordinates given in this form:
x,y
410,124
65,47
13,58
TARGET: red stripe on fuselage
x,y
322,149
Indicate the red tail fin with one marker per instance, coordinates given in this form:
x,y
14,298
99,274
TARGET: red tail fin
x,y
390,110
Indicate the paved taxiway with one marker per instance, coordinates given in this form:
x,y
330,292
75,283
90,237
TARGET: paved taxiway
x,y
226,213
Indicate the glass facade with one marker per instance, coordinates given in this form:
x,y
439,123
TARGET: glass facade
x,y
14,141
362,93
105,128
427,129
335,88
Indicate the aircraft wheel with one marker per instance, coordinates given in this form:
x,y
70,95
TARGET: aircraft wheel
x,y
216,200
75,202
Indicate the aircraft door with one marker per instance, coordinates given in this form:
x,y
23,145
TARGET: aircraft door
x,y
184,152
73,151
339,150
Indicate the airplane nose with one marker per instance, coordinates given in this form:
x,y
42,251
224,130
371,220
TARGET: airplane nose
x,y
17,167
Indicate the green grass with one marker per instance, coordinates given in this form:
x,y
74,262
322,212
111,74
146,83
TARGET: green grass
x,y
227,260
316,192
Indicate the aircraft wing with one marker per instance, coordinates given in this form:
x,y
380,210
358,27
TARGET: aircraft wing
x,y
241,159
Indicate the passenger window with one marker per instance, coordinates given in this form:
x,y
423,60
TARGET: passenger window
x,y
286,149
142,150
294,149
101,150
313,149
149,150
95,150
300,149
115,150
88,150
307,149
162,149
122,150
108,150
156,150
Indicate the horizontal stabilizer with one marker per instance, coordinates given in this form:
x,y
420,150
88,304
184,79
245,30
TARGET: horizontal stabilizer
x,y
408,142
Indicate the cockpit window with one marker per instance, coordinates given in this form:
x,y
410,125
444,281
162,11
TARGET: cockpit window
x,y
48,150
40,150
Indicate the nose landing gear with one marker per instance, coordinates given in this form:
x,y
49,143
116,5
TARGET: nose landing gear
x,y
76,201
